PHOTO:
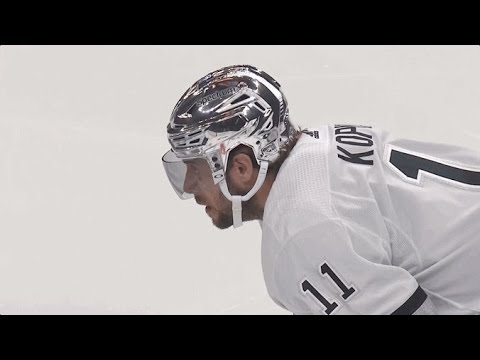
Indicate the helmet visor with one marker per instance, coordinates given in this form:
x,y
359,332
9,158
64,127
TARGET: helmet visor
x,y
176,171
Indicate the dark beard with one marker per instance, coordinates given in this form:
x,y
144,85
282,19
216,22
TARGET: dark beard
x,y
250,211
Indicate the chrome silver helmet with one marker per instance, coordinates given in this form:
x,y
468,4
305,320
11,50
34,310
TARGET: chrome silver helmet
x,y
232,106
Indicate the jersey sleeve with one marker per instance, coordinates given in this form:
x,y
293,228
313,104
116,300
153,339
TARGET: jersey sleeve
x,y
318,271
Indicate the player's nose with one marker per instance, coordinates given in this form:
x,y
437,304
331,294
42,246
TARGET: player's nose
x,y
190,184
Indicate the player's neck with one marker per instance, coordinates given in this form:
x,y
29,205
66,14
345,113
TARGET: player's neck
x,y
261,197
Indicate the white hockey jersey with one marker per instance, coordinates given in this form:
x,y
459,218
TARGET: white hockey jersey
x,y
358,222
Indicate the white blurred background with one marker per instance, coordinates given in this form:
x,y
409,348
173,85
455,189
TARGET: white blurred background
x,y
88,220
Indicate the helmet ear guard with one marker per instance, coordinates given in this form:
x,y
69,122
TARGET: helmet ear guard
x,y
232,106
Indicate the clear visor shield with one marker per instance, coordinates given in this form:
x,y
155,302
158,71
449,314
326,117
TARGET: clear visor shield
x,y
176,171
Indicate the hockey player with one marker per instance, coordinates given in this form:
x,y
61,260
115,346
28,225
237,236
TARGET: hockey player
x,y
353,220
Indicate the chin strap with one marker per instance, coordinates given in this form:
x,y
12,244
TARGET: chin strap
x,y
237,211
237,199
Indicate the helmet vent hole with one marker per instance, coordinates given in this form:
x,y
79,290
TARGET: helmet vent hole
x,y
241,98
195,133
257,104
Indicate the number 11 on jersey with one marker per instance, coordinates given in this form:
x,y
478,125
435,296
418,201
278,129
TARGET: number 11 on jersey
x,y
325,270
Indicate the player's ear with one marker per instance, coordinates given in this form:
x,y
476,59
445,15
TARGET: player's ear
x,y
241,171
241,166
